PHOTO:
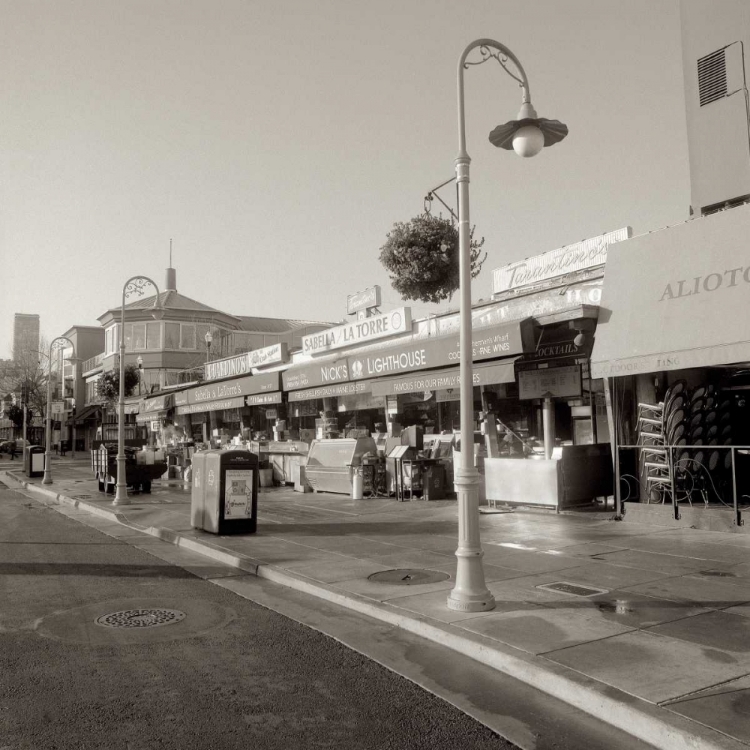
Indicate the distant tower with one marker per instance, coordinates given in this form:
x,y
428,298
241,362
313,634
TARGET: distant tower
x,y
25,335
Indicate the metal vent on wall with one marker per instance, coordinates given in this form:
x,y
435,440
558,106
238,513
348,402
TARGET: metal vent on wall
x,y
712,77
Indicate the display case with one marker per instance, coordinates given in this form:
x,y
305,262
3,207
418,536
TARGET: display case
x,y
329,461
283,456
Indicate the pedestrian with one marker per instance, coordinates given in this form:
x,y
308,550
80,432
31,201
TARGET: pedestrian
x,y
12,450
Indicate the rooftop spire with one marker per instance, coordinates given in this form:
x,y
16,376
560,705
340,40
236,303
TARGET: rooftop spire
x,y
171,283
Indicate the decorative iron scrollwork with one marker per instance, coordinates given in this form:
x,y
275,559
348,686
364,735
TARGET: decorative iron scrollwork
x,y
488,54
136,286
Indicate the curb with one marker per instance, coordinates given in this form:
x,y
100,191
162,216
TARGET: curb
x,y
646,721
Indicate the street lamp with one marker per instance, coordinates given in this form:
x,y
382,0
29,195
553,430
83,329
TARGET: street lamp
x,y
132,286
140,370
208,339
48,448
526,135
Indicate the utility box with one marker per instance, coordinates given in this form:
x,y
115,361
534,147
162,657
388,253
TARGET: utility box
x,y
224,497
33,461
433,483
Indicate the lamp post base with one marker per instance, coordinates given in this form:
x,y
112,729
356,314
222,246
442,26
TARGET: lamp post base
x,y
470,602
470,594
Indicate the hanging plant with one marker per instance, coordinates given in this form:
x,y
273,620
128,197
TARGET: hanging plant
x,y
108,385
421,257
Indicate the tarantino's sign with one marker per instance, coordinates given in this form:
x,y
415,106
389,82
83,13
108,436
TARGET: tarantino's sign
x,y
328,391
503,340
575,257
247,386
368,329
311,375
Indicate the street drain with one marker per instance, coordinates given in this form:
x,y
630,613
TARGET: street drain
x,y
140,618
572,588
82,497
408,576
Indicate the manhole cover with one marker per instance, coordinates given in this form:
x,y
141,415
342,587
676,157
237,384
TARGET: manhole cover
x,y
140,618
571,588
408,576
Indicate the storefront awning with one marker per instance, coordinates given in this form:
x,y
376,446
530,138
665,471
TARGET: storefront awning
x,y
677,298
447,378
88,412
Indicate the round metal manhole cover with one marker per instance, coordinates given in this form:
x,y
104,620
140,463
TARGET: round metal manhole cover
x,y
140,618
408,577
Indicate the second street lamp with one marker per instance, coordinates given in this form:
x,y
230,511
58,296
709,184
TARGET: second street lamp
x,y
132,286
526,136
48,437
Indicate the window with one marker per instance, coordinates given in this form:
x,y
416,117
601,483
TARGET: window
x,y
128,337
187,337
171,335
139,336
153,335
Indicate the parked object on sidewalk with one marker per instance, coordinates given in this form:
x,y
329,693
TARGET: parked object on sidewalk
x,y
329,460
33,461
141,467
224,497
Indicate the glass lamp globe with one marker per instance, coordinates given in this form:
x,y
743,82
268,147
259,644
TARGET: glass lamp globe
x,y
528,140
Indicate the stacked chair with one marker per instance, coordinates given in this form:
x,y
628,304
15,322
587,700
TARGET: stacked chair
x,y
661,425
700,422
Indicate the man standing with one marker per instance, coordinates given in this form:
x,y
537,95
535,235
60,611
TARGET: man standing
x,y
12,449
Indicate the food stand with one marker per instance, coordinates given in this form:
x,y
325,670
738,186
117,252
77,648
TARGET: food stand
x,y
329,462
283,456
580,474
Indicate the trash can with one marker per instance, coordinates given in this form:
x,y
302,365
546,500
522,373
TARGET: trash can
x,y
224,497
33,461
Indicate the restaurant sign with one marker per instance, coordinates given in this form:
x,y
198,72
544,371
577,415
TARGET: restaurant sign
x,y
220,405
159,403
357,332
329,391
242,364
504,340
363,300
576,257
551,382
263,398
446,379
310,375
225,389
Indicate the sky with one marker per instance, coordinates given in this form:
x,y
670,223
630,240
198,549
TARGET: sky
x,y
276,143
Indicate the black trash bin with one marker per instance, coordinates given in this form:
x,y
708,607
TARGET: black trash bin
x,y
224,497
33,461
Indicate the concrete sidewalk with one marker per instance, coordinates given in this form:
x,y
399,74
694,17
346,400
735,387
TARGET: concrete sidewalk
x,y
650,631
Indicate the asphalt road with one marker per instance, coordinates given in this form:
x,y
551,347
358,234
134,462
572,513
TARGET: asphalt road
x,y
229,674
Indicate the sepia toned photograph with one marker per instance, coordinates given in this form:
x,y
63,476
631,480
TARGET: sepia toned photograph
x,y
374,375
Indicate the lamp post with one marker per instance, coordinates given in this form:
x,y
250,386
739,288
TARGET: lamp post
x,y
135,286
208,339
48,437
139,361
526,135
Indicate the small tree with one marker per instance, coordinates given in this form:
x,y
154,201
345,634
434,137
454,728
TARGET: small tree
x,y
421,257
108,385
15,413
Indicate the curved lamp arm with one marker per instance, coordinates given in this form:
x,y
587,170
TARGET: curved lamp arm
x,y
502,55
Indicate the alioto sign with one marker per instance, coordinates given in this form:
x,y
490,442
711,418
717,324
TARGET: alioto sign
x,y
368,329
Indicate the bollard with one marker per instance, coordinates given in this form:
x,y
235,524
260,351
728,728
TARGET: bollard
x,y
358,482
